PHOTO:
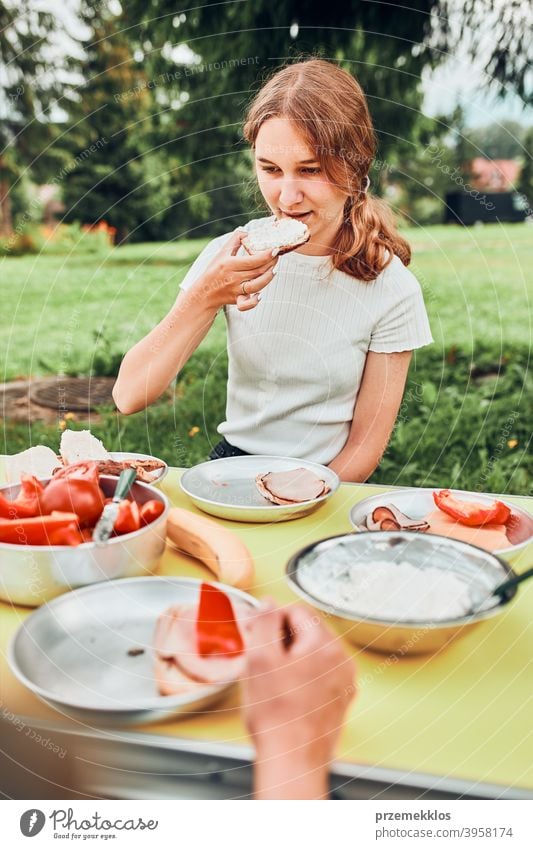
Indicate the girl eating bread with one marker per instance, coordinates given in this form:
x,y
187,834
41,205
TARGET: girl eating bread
x,y
321,310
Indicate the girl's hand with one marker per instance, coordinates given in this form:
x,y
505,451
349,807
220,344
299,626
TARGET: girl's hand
x,y
297,686
222,282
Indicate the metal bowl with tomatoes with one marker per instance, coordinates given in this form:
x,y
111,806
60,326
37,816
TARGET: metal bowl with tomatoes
x,y
46,530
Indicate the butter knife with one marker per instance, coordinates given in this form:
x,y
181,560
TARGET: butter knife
x,y
106,522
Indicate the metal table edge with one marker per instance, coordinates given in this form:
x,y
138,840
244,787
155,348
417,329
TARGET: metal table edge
x,y
342,772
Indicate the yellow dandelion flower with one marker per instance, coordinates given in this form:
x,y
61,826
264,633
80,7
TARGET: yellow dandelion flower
x,y
194,430
512,443
70,416
62,424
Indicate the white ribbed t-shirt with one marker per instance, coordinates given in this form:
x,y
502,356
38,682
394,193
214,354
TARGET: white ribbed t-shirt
x,y
296,360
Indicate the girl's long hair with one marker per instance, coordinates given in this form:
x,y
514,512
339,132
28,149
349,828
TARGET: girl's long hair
x,y
330,110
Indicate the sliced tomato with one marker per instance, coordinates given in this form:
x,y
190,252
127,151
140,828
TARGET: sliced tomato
x,y
35,530
150,511
66,535
217,631
471,513
26,504
128,518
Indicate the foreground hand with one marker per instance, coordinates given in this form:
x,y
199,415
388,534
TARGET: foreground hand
x,y
295,697
222,282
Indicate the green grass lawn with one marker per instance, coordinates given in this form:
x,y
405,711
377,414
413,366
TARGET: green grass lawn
x,y
458,426
53,305
477,282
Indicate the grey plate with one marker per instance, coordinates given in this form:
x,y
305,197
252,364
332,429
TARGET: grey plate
x,y
128,455
417,503
73,652
226,488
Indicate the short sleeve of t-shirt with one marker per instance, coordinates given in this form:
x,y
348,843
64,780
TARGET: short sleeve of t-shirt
x,y
403,322
203,260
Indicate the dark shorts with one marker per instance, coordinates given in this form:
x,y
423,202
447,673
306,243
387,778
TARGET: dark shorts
x,y
224,449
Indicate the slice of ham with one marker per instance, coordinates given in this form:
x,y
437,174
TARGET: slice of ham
x,y
389,518
177,657
171,681
291,487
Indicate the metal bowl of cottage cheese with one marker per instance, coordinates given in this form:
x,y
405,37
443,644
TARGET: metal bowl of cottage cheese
x,y
400,593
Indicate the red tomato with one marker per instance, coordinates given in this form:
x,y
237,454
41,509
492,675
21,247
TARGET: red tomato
x,y
128,518
150,511
74,495
87,469
67,535
26,504
35,530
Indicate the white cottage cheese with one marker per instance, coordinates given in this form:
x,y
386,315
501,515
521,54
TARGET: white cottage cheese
x,y
385,589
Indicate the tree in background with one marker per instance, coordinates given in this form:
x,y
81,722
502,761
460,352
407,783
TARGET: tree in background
x,y
31,83
114,174
502,140
152,140
233,46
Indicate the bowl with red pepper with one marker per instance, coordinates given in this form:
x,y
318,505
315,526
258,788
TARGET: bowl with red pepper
x,y
477,518
46,527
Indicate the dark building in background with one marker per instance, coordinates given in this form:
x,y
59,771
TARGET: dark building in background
x,y
468,207
489,194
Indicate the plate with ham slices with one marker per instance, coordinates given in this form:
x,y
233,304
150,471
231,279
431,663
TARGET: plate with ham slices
x,y
259,487
135,650
476,518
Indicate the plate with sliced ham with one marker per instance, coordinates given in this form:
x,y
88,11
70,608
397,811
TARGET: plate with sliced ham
x,y
134,650
477,518
259,487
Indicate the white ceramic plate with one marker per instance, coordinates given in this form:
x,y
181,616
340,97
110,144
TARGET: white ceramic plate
x,y
226,488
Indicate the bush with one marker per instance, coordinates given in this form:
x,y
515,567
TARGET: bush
x,y
34,238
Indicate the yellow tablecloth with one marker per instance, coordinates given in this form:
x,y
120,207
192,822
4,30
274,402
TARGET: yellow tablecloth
x,y
465,713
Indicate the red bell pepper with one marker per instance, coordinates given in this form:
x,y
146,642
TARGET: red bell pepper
x,y
36,530
471,513
150,511
26,504
216,628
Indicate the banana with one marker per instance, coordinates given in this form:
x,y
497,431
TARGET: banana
x,y
217,547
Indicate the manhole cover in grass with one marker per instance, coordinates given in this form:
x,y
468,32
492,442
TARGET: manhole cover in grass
x,y
73,393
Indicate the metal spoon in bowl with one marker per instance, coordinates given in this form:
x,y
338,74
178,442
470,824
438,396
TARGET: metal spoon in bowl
x,y
503,588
